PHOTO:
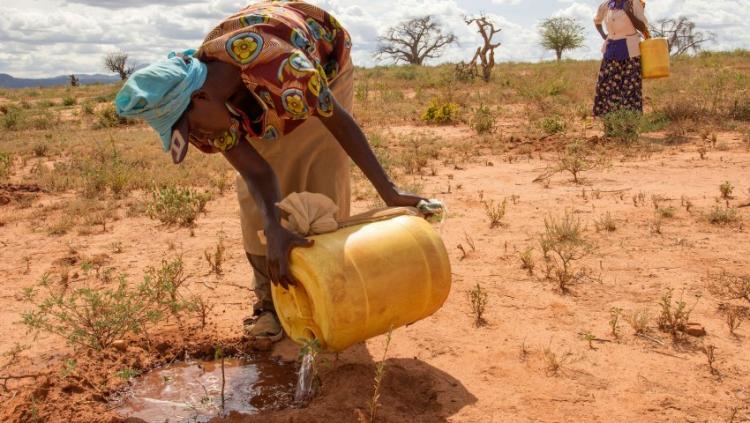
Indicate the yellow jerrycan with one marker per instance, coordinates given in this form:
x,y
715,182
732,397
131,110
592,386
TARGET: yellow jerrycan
x,y
363,280
655,58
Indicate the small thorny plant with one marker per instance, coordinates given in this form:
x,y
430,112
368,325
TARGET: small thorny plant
x,y
674,315
478,299
554,361
175,205
495,211
484,120
710,352
563,243
723,216
733,316
638,320
726,190
575,159
606,223
590,338
527,260
622,126
615,314
216,259
379,375
94,317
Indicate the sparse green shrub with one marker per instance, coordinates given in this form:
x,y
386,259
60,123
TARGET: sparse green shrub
x,y
484,120
61,226
175,205
465,72
94,317
553,125
69,101
41,149
441,113
674,316
622,126
729,287
495,211
726,190
406,73
615,314
666,212
723,216
606,223
575,159
563,243
478,299
638,320
362,91
527,260
12,118
6,163
682,109
87,108
216,260
127,373
415,157
108,118
47,119
653,122
379,375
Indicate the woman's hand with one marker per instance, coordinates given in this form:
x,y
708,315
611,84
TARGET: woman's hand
x,y
402,199
280,243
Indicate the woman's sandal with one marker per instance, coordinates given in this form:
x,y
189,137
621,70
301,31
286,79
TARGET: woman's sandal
x,y
263,326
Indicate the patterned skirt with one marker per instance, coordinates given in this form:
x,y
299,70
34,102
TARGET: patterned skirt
x,y
620,86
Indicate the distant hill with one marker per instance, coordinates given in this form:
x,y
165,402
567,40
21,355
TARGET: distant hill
x,y
7,81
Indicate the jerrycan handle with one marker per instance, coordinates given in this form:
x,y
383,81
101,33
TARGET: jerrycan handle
x,y
434,211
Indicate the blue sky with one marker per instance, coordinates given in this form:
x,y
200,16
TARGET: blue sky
x,y
73,39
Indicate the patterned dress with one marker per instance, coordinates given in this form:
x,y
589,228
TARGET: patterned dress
x,y
620,82
288,54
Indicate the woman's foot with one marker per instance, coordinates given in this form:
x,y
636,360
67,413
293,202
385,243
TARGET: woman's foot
x,y
263,329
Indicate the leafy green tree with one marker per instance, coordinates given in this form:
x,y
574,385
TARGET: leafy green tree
x,y
560,34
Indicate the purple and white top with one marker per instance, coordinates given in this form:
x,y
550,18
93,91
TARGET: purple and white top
x,y
623,39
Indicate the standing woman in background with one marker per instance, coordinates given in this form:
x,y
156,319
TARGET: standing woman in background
x,y
620,77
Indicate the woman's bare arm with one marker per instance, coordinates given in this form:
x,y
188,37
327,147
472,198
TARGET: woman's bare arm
x,y
354,142
263,185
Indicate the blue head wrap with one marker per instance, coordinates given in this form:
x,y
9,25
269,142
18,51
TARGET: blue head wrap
x,y
160,93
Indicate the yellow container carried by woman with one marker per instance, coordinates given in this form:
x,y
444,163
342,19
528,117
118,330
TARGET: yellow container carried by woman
x,y
655,58
363,280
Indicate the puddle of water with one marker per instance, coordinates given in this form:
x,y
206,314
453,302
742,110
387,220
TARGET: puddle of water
x,y
191,391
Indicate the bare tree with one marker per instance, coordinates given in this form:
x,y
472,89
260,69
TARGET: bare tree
x,y
681,35
560,34
413,41
118,62
485,54
74,81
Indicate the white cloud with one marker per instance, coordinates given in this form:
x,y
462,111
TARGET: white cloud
x,y
74,38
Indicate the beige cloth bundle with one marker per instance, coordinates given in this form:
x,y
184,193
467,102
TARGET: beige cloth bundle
x,y
314,214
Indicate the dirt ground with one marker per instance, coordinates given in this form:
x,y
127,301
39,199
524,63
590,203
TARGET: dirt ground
x,y
444,368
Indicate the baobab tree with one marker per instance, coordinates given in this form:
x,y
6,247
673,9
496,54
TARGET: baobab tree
x,y
681,35
560,34
414,41
117,62
485,54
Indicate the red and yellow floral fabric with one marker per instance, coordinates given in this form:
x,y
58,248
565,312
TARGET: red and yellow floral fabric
x,y
288,52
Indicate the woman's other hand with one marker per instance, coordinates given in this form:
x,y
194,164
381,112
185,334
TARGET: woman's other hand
x,y
402,199
280,243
